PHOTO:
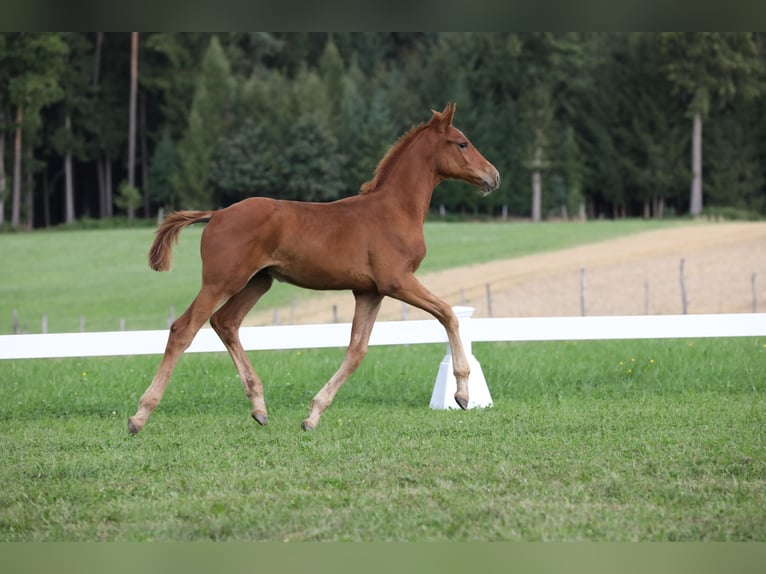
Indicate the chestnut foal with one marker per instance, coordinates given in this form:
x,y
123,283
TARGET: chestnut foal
x,y
371,244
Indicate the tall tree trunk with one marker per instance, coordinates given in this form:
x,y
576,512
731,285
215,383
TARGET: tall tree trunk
x,y
695,202
537,195
2,177
108,194
68,179
29,198
97,58
132,123
46,199
100,177
537,185
144,158
16,201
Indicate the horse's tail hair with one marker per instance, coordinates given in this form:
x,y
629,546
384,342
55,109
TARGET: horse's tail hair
x,y
161,253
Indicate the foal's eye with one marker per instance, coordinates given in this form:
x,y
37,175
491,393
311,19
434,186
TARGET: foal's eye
x,y
462,145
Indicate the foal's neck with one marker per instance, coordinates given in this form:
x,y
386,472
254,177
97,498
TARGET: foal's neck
x,y
412,180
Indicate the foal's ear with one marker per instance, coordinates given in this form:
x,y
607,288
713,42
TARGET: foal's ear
x,y
444,118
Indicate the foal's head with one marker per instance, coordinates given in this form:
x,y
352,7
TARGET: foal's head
x,y
456,157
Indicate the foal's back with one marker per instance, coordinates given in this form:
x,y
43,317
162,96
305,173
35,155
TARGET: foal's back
x,y
335,245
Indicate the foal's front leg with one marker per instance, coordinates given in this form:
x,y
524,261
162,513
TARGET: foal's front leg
x,y
367,307
412,291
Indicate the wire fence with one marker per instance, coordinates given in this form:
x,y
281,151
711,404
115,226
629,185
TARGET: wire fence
x,y
592,294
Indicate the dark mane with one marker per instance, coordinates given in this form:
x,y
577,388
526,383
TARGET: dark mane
x,y
392,155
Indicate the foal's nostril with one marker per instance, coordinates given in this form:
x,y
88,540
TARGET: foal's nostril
x,y
495,179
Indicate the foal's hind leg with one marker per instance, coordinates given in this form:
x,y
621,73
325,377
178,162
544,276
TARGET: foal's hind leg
x,y
182,333
367,307
226,322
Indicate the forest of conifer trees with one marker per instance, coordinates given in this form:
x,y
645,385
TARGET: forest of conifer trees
x,y
101,125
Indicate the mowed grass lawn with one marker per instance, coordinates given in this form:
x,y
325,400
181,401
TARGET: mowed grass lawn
x,y
103,276
621,440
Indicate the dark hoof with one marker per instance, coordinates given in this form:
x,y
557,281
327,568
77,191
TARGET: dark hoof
x,y
132,428
462,401
307,426
260,417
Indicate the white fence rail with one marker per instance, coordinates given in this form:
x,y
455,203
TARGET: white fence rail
x,y
60,345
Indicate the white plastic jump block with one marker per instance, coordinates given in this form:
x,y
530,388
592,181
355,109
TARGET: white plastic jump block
x,y
443,396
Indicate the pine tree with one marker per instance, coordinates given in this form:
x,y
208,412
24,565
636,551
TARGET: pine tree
x,y
331,69
549,64
735,178
163,171
34,62
243,165
68,139
570,169
105,123
312,160
707,67
650,143
365,130
211,115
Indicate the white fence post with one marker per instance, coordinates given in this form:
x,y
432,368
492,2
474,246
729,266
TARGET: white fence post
x,y
443,396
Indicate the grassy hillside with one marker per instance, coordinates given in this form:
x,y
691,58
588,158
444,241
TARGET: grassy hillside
x,y
103,276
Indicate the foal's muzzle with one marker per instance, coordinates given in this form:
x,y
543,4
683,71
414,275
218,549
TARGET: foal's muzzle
x,y
490,181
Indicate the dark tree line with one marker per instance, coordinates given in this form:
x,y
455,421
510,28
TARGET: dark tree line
x,y
579,124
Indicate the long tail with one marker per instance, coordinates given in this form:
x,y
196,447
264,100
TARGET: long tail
x,y
161,253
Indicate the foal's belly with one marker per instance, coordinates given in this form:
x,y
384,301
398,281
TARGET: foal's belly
x,y
321,278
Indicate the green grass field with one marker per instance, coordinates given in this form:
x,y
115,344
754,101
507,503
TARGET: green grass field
x,y
614,441
617,441
103,276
